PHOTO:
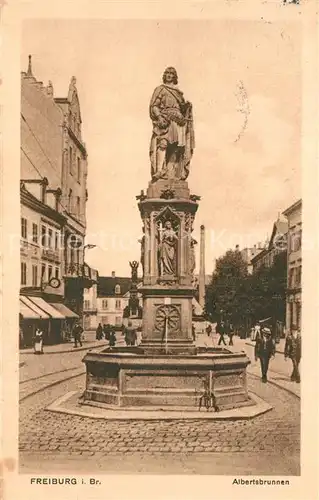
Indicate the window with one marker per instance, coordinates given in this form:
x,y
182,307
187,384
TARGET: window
x,y
79,169
70,160
24,228
70,201
35,233
291,278
78,206
43,236
43,272
118,304
105,320
34,275
56,241
49,273
117,289
104,304
57,273
298,276
118,320
50,238
23,273
86,305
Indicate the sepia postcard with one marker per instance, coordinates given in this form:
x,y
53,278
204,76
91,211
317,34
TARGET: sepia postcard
x,y
159,242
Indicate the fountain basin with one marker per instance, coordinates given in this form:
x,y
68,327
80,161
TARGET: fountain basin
x,y
126,377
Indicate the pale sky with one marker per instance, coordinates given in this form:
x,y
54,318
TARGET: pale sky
x,y
243,183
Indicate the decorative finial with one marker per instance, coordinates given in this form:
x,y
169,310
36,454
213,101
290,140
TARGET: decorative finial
x,y
29,73
73,81
50,88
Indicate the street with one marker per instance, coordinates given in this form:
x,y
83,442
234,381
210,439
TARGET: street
x,y
51,442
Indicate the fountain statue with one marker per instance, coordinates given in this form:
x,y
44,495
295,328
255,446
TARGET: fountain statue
x,y
167,370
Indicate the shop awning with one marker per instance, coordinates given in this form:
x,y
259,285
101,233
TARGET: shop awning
x,y
67,313
26,312
46,307
31,305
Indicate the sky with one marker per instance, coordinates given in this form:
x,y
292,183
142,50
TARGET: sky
x,y
244,81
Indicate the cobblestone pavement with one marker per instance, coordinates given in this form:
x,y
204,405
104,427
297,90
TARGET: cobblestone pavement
x,y
268,444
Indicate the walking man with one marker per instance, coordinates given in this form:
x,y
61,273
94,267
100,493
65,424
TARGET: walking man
x,y
293,351
77,333
264,349
230,333
220,329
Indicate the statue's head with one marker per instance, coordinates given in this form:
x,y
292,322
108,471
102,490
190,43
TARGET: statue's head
x,y
170,76
168,224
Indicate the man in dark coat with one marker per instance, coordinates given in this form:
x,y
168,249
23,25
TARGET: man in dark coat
x,y
220,329
77,333
99,332
265,348
293,351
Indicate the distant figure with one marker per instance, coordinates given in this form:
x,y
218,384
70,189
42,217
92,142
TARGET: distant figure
x,y
209,330
130,334
77,333
99,332
220,329
38,341
264,349
230,332
107,331
293,351
112,338
21,337
255,331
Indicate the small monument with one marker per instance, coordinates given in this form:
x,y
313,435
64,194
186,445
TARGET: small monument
x,y
167,370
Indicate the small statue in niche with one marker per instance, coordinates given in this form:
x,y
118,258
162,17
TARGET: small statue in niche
x,y
167,250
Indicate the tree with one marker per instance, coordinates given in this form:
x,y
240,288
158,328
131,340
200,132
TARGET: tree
x,y
222,297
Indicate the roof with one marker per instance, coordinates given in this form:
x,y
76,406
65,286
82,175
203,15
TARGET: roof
x,y
106,286
280,228
293,207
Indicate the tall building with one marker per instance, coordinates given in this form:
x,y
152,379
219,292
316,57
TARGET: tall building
x,y
250,253
53,206
274,246
294,265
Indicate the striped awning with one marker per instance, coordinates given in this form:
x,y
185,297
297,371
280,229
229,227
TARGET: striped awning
x,y
46,308
26,312
64,310
41,314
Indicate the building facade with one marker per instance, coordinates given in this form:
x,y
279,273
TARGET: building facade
x,y
249,253
53,207
276,245
294,266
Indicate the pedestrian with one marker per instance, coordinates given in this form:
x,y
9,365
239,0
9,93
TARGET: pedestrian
x,y
38,341
220,329
193,332
77,333
293,351
112,338
256,331
209,330
99,332
106,331
264,349
130,334
230,334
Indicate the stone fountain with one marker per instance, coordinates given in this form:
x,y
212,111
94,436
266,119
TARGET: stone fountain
x,y
167,371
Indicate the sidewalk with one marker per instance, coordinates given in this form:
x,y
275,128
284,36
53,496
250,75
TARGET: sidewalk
x,y
67,347
279,369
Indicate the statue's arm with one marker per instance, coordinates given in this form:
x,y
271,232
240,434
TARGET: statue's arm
x,y
155,111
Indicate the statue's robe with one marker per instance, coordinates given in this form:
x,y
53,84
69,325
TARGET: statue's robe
x,y
169,101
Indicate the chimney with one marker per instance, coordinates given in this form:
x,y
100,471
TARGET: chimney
x,y
113,274
202,267
29,72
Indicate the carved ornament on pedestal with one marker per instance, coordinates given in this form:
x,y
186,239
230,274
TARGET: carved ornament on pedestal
x,y
172,316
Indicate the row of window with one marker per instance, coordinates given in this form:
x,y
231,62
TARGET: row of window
x,y
105,320
105,305
74,208
47,272
48,239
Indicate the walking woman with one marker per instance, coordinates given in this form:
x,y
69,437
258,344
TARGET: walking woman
x,y
38,341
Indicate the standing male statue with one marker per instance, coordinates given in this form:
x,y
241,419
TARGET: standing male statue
x,y
172,141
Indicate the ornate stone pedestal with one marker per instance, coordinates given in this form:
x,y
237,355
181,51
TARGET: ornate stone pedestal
x,y
167,297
